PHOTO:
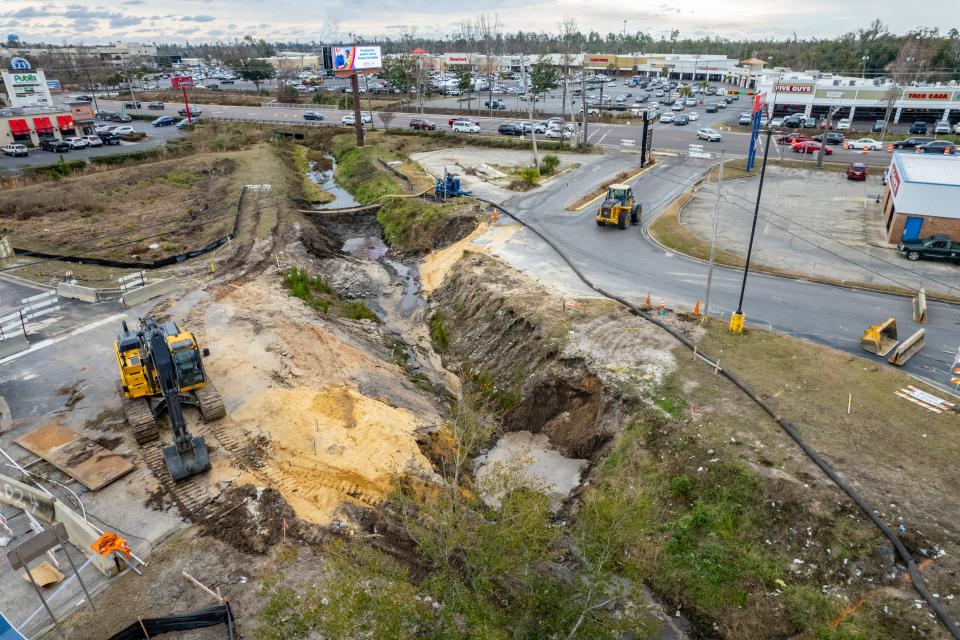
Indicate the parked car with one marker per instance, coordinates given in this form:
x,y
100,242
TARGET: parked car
x,y
690,102
510,129
666,118
693,115
918,127
312,115
183,124
76,143
422,124
83,99
936,247
710,135
132,104
722,105
776,123
942,127
810,146
745,119
681,119
494,104
832,138
93,141
910,143
15,150
164,121
810,123
677,106
711,108
878,126
843,124
194,112
123,130
939,146
109,138
452,120
466,126
857,171
156,106
557,132
865,143
52,144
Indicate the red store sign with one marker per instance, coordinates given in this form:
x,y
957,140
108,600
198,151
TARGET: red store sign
x,y
928,96
599,59
794,88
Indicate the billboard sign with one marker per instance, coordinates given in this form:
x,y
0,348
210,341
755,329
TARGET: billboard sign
x,y
181,82
348,59
20,64
27,88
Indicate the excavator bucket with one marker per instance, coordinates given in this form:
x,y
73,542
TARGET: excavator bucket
x,y
191,459
880,338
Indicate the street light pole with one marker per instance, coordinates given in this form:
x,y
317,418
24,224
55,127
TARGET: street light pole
x,y
736,320
863,74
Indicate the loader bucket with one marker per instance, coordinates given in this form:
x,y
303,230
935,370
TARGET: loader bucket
x,y
190,460
880,338
908,348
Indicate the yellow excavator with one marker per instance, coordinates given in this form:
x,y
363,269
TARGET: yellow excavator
x,y
619,206
161,369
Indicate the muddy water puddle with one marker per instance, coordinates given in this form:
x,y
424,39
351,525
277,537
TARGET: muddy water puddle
x,y
372,247
342,198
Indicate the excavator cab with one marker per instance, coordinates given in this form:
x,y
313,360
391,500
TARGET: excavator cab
x,y
618,207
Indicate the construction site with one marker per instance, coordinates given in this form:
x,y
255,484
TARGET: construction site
x,y
281,386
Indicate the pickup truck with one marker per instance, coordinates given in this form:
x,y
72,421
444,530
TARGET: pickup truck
x,y
934,247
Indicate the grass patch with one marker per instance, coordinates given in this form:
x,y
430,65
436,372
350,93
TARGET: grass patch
x,y
360,173
318,294
438,333
602,189
311,191
412,224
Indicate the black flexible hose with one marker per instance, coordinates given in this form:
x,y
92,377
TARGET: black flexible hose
x,y
916,578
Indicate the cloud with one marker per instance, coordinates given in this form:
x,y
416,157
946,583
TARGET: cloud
x,y
26,12
134,2
200,18
124,21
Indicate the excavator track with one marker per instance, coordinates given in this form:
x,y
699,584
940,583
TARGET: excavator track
x,y
143,426
190,495
211,404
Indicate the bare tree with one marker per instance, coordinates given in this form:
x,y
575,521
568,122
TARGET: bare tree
x,y
386,117
488,30
568,32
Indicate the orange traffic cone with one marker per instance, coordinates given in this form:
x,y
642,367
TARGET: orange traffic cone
x,y
890,148
493,215
917,150
646,304
696,308
663,307
865,150
947,151
845,145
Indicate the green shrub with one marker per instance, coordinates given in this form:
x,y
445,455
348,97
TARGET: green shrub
x,y
360,311
681,484
438,333
530,176
549,165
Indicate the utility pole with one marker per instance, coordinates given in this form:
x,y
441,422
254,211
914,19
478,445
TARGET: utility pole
x,y
736,320
357,118
93,92
366,89
713,243
531,105
823,138
583,97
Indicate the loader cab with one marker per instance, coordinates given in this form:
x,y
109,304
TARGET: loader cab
x,y
186,360
620,193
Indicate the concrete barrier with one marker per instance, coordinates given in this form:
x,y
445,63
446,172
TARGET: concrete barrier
x,y
77,292
6,249
908,348
920,307
153,290
13,345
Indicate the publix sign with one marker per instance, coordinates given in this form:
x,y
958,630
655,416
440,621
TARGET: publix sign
x,y
25,86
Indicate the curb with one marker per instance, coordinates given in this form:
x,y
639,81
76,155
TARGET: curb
x,y
628,179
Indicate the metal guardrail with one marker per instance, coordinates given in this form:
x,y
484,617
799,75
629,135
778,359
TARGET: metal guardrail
x,y
299,105
17,323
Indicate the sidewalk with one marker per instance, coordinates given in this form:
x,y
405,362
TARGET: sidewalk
x,y
817,224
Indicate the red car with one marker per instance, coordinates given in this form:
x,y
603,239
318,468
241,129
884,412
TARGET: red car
x,y
793,138
810,146
857,171
452,120
420,123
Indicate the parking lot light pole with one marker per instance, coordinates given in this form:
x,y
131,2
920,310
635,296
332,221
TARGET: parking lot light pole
x,y
736,320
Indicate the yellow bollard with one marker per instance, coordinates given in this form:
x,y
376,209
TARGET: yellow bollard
x,y
736,323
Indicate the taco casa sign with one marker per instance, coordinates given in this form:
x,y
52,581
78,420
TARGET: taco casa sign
x,y
928,95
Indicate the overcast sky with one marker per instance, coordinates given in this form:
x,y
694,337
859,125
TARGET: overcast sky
x,y
92,21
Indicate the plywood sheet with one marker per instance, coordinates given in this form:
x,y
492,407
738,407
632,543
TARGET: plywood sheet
x,y
80,458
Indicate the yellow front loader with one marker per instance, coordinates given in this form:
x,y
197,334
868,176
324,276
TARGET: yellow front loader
x,y
619,206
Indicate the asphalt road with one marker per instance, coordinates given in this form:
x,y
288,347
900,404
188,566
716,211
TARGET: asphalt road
x,y
665,137
629,263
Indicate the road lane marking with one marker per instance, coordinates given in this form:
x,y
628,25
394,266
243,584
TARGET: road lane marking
x,y
43,344
600,141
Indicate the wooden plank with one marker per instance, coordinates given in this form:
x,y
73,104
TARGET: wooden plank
x,y
80,458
